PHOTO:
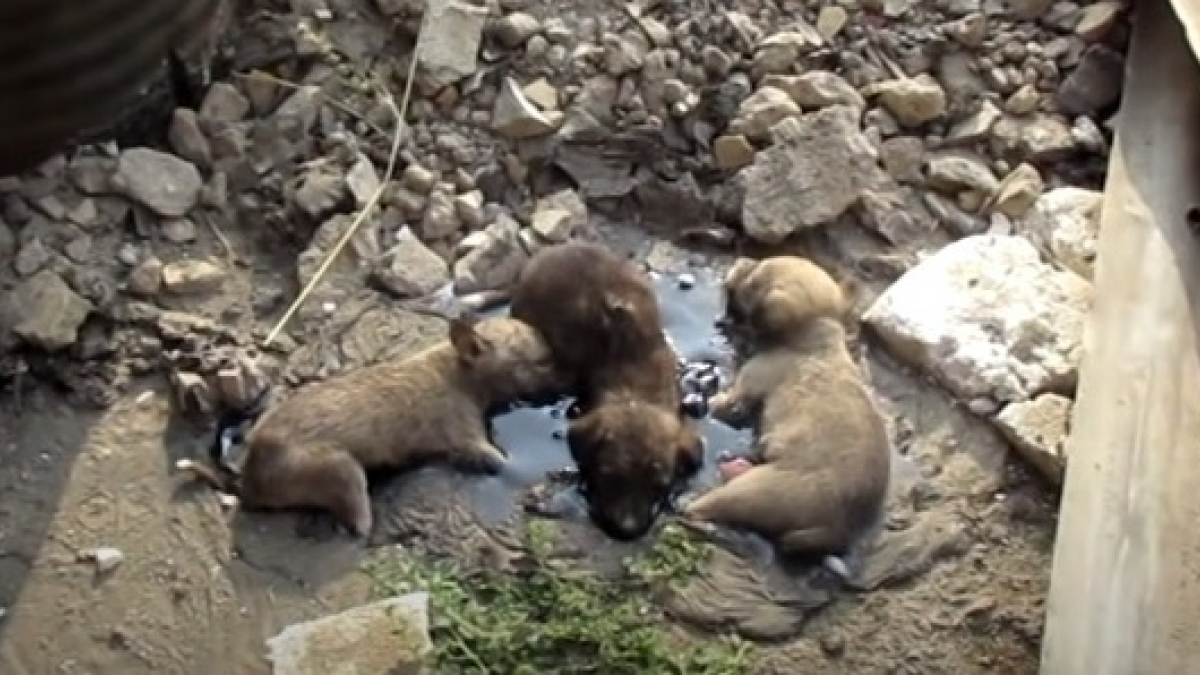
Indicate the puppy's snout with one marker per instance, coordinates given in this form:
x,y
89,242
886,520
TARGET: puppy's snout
x,y
626,526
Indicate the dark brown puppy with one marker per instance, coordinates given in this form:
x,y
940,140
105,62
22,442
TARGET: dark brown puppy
x,y
822,443
632,444
313,448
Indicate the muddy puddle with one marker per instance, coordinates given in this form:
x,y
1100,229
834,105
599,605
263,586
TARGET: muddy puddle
x,y
535,437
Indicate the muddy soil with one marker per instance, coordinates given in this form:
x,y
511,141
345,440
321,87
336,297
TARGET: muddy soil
x,y
953,585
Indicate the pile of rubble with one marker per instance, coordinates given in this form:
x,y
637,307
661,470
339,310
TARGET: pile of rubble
x,y
975,120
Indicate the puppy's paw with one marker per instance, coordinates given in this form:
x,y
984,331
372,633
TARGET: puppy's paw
x,y
725,407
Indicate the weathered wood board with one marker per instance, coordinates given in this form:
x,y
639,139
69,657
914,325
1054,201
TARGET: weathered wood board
x,y
1125,590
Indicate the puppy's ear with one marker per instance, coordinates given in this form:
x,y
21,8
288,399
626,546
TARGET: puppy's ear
x,y
467,342
584,435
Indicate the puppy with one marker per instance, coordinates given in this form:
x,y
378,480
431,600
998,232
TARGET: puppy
x,y
314,448
766,301
633,444
822,446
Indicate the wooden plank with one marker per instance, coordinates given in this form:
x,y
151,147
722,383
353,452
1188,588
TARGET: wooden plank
x,y
1188,12
1125,590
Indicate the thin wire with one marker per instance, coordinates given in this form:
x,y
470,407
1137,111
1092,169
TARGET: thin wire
x,y
400,114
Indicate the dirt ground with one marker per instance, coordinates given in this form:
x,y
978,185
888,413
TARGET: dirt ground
x,y
955,583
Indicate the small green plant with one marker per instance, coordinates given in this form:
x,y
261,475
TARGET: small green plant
x,y
550,619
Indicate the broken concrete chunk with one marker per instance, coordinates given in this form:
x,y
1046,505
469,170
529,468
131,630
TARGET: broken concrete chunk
x,y
1065,223
389,636
165,184
515,117
812,174
410,269
1038,430
495,261
46,312
451,32
559,216
988,318
192,277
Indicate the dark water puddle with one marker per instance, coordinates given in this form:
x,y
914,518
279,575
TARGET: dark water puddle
x,y
534,438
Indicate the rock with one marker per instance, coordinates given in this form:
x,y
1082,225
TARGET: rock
x,y
1096,20
105,558
1029,10
362,181
8,241
410,269
1038,138
224,103
893,212
193,392
912,101
1038,430
515,117
817,89
513,30
831,20
1018,191
440,219
954,172
32,257
762,110
1095,83
163,183
418,179
468,207
448,47
779,52
623,55
812,174
903,157
969,31
495,262
558,217
988,318
1023,101
46,313
542,94
953,218
178,230
389,636
321,191
187,140
192,277
732,152
1065,223
145,279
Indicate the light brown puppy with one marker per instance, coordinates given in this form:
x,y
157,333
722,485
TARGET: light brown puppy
x,y
632,444
768,300
822,445
312,450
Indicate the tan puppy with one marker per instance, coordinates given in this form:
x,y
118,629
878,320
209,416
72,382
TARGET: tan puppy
x,y
822,445
633,445
312,449
767,300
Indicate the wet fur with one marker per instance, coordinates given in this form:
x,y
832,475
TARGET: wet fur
x,y
313,449
633,445
822,444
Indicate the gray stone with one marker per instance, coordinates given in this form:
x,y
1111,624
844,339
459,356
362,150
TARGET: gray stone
x,y
390,636
559,216
812,174
187,140
515,117
165,184
495,261
224,103
1038,430
410,269
988,318
954,172
1095,83
1065,224
46,313
451,32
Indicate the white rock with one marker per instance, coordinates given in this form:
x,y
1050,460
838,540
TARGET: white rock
x,y
104,558
515,117
1065,223
389,636
451,32
1038,430
988,318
